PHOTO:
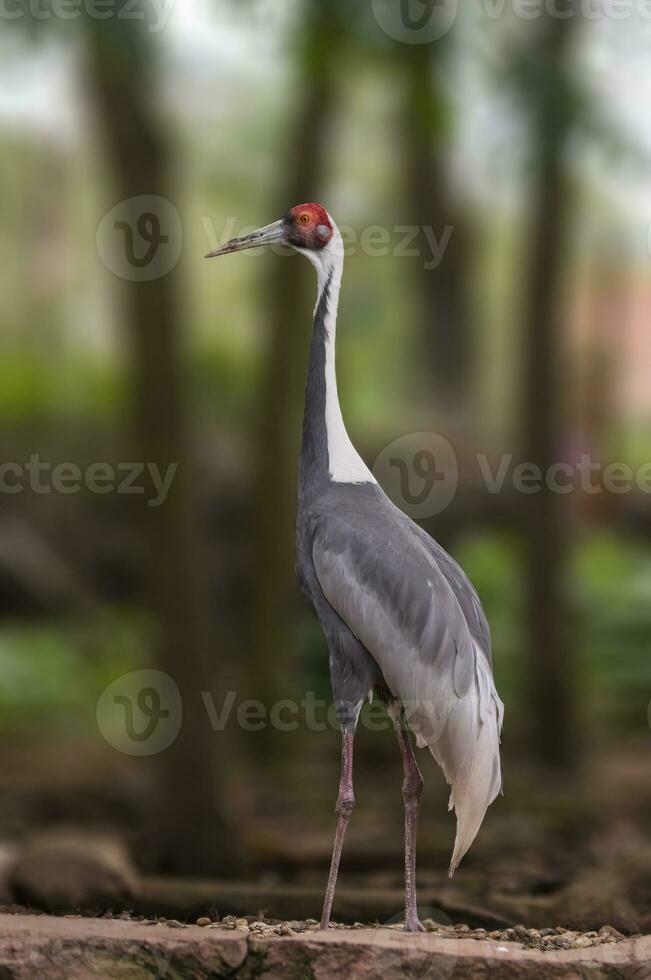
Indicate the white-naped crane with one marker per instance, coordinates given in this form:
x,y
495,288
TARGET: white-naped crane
x,y
399,615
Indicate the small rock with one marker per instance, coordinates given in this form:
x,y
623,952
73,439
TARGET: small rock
x,y
203,921
609,932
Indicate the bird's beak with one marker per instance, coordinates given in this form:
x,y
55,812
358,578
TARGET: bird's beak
x,y
269,235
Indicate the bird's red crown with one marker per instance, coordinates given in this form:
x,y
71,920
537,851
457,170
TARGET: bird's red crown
x,y
309,226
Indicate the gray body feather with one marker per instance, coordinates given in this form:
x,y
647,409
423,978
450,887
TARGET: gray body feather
x,y
397,611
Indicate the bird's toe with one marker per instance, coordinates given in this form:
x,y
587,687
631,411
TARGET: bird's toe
x,y
414,925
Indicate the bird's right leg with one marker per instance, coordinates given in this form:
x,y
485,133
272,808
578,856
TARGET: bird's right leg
x,y
344,808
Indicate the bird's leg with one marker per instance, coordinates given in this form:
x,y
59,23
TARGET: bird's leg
x,y
344,808
412,790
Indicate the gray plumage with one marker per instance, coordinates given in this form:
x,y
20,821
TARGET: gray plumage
x,y
398,613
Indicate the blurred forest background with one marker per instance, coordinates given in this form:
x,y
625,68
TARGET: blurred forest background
x,y
529,139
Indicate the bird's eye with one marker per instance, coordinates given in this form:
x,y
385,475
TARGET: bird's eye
x,y
304,218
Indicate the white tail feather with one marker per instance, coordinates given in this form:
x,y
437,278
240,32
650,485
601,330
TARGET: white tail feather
x,y
469,755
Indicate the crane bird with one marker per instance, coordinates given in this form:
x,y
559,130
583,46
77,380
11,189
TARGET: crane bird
x,y
399,615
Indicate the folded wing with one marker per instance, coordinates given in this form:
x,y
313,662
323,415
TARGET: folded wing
x,y
417,614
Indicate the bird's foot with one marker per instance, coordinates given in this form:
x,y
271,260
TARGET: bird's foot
x,y
413,924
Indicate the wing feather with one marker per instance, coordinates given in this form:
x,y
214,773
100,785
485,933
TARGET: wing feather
x,y
416,613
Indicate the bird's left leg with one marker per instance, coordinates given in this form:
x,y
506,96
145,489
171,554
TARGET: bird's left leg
x,y
344,808
412,790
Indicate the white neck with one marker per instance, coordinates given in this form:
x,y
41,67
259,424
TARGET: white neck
x,y
345,463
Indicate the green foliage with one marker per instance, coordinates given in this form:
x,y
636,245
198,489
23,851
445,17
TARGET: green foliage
x,y
492,562
52,673
614,584
34,388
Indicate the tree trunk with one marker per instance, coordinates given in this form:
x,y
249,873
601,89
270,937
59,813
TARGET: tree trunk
x,y
188,824
552,663
288,296
444,307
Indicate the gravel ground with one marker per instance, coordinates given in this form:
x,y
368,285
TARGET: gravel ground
x,y
542,939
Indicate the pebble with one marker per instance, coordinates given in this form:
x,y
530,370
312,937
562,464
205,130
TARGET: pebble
x,y
609,932
548,938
